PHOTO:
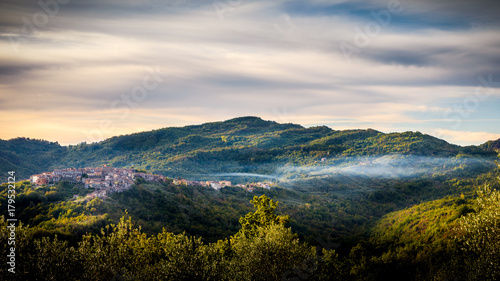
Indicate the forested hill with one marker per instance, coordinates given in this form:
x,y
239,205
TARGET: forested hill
x,y
243,145
29,156
398,206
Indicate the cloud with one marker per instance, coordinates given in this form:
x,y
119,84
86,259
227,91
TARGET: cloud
x,y
258,59
387,166
466,137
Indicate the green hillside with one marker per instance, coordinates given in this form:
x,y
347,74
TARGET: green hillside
x,y
436,240
29,156
398,206
246,144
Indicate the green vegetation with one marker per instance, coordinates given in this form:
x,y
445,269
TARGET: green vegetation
x,y
124,252
480,236
263,216
339,209
413,244
29,156
417,243
423,210
246,144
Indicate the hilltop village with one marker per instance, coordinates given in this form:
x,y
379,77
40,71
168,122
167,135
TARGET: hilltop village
x,y
106,180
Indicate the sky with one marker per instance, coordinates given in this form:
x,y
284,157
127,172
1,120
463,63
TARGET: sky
x,y
81,71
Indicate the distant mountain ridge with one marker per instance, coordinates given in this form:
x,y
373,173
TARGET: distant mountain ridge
x,y
244,144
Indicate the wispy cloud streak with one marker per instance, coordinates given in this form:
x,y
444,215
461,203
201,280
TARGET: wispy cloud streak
x,y
263,55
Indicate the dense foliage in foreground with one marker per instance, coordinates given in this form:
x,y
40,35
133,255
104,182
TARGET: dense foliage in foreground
x,y
81,239
439,240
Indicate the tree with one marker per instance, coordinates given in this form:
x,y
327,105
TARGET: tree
x,y
263,216
273,253
265,248
480,236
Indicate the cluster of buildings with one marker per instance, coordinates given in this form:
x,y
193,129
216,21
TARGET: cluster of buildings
x,y
250,187
213,184
220,184
104,179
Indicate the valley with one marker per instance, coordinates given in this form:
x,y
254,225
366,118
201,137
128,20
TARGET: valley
x,y
354,192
